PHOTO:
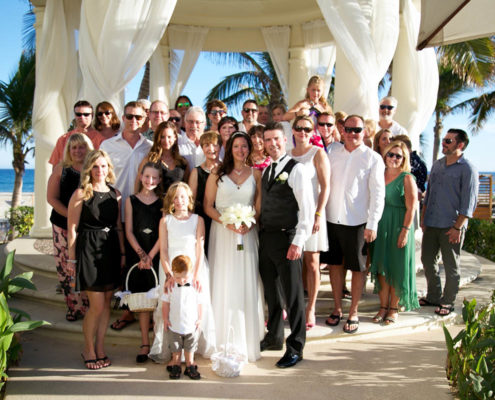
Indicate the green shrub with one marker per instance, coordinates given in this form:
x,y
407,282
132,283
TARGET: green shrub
x,y
480,238
21,220
471,360
10,348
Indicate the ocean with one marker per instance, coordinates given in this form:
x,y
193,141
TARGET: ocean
x,y
7,181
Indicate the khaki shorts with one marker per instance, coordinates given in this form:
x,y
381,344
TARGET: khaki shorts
x,y
177,342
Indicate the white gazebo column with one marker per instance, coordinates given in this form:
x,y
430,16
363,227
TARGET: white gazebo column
x,y
160,74
298,75
42,170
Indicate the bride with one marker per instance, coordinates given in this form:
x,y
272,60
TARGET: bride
x,y
236,288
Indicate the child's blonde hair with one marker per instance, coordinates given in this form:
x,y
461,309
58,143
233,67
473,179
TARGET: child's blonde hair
x,y
181,264
316,80
168,201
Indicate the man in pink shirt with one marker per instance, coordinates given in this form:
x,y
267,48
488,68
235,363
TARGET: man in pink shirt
x,y
83,112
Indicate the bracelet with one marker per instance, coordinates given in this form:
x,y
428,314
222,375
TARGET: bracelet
x,y
72,261
457,229
406,228
317,213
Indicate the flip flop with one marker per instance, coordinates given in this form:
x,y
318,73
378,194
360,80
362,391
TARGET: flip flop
x,y
425,303
349,323
449,309
378,319
121,324
335,317
86,362
106,361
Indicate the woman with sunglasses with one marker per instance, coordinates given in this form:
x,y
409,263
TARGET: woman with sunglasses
x,y
215,110
393,266
106,121
182,104
318,167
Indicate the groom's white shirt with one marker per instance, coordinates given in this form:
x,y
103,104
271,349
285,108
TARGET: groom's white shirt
x,y
300,183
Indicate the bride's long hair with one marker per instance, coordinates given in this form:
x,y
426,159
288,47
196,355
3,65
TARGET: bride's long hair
x,y
228,160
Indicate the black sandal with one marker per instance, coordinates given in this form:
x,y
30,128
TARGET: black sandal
x,y
175,372
425,303
192,372
441,308
142,358
335,317
349,323
106,361
378,319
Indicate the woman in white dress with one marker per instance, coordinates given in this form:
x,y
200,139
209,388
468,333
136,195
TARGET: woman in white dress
x,y
318,167
236,285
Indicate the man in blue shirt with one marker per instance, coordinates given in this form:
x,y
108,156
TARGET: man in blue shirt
x,y
450,200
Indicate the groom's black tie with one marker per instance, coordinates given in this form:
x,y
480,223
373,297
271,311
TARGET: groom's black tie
x,y
272,172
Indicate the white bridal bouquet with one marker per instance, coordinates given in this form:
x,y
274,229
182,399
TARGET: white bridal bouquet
x,y
238,215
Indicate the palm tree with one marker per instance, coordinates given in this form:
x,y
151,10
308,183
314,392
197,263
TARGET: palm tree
x,y
258,81
16,105
462,67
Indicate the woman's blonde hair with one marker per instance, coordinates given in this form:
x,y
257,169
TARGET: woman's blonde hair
x,y
303,118
405,166
316,80
75,138
89,162
168,201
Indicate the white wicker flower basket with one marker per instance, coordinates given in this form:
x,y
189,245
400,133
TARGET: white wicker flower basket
x,y
228,362
139,302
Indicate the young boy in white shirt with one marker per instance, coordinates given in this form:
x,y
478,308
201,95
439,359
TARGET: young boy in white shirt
x,y
182,311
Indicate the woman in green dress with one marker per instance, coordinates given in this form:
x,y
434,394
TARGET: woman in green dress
x,y
393,267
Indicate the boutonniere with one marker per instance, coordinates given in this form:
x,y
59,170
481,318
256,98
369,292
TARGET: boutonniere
x,y
282,178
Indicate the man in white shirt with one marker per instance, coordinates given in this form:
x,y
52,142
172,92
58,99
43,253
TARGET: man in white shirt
x,y
189,146
249,115
286,221
354,208
127,149
388,107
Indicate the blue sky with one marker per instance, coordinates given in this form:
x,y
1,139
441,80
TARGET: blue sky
x,y
204,77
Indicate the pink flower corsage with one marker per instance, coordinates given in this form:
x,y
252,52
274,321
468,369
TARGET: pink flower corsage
x,y
316,140
261,166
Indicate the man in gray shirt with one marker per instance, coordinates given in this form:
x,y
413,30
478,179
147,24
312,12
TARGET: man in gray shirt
x,y
450,200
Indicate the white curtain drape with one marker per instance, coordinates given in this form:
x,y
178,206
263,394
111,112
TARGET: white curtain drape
x,y
320,57
159,89
414,77
116,39
366,32
57,74
186,42
277,40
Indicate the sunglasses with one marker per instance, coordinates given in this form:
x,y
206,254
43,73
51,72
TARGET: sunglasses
x,y
327,124
303,128
356,129
215,112
78,114
394,155
186,104
101,113
136,117
385,107
248,110
174,119
447,141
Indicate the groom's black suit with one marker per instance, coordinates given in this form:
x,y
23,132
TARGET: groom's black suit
x,y
279,218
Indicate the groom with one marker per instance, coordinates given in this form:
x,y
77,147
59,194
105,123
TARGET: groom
x,y
287,216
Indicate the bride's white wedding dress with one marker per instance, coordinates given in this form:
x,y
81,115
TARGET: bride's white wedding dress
x,y
237,298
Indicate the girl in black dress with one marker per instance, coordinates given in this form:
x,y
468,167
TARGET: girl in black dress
x,y
210,144
96,247
165,152
142,218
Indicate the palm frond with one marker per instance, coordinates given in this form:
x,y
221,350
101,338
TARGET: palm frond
x,y
28,31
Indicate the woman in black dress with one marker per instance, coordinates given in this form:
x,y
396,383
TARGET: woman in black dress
x,y
96,247
143,212
165,152
210,144
63,181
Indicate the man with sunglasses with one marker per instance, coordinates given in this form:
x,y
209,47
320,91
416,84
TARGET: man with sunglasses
x,y
450,200
354,207
249,115
127,149
176,118
386,112
83,112
158,114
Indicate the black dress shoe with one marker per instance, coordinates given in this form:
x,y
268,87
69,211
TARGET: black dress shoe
x,y
267,344
289,360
